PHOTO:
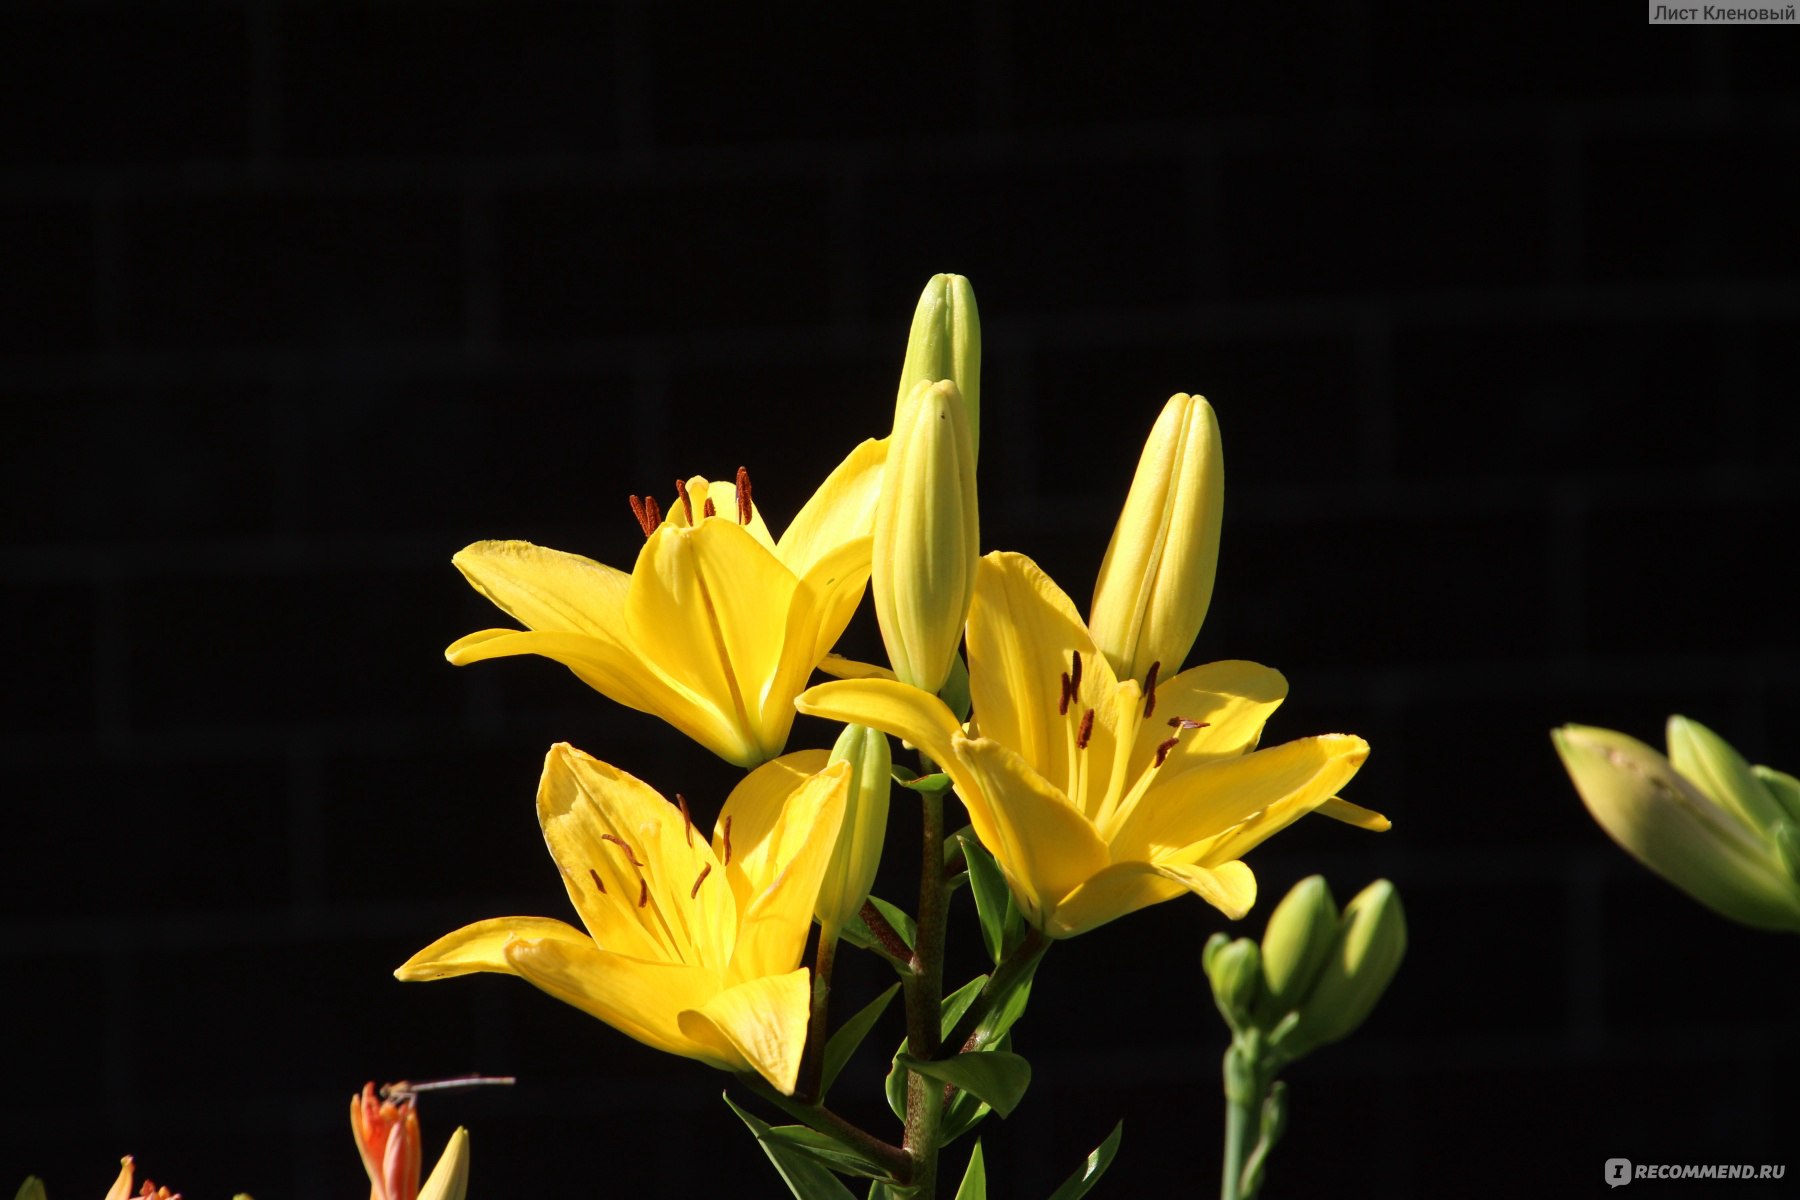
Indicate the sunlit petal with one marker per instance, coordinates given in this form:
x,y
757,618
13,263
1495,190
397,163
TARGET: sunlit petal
x,y
482,947
841,511
636,997
784,880
1128,886
763,1021
546,590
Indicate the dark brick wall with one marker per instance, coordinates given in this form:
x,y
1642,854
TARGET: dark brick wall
x,y
1498,311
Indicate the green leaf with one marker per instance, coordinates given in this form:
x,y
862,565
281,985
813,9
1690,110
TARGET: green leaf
x,y
902,773
998,1077
881,1191
31,1189
903,923
827,1150
1091,1169
974,1181
949,1013
936,783
849,1036
988,886
966,1110
803,1175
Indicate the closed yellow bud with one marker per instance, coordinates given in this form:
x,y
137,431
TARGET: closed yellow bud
x,y
927,534
852,871
945,343
1156,580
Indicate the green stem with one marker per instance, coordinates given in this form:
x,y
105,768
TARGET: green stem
x,y
924,1002
1246,1084
897,1162
812,1058
1239,1122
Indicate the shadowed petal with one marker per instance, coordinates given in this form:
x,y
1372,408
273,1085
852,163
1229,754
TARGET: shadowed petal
x,y
1044,845
1126,887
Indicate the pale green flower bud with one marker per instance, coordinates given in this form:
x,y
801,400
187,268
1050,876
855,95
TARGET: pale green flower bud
x,y
1707,761
945,343
1784,787
927,535
1370,942
852,869
1235,971
1704,847
1297,942
1156,580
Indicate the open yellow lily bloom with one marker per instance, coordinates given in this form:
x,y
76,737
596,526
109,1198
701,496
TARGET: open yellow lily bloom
x,y
1099,796
692,947
717,626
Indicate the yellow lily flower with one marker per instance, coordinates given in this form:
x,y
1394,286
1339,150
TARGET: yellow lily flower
x,y
691,947
717,626
1099,796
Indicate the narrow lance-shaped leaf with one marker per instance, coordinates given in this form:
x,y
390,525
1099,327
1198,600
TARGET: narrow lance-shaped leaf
x,y
827,1150
804,1177
1090,1171
850,1035
974,1181
988,886
997,1077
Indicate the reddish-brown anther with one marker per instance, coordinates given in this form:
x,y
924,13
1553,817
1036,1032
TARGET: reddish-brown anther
x,y
727,837
619,842
687,820
643,512
596,877
643,892
743,496
1163,748
709,509
1068,694
705,870
1086,731
687,501
1150,689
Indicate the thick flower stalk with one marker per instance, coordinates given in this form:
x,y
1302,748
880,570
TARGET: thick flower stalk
x,y
1724,832
1156,581
1099,795
691,946
718,624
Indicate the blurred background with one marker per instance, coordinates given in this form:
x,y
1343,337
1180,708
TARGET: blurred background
x,y
1498,313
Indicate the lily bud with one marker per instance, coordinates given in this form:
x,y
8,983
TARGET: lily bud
x,y
1784,787
1297,942
1370,942
1703,846
1707,761
927,536
945,343
1156,580
450,1178
852,871
1235,972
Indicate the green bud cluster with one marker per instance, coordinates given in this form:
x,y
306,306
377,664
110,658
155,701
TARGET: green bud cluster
x,y
1317,974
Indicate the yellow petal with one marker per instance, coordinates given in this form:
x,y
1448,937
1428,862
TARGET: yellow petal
x,y
723,494
617,673
893,707
839,667
602,823
1023,633
757,806
709,607
1190,804
841,511
784,882
1128,886
546,589
1046,848
835,582
482,946
640,999
762,1020
1340,809
1233,697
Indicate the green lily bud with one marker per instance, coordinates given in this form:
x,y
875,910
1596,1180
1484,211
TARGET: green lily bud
x,y
1156,580
1707,761
1370,942
852,869
1787,848
1784,787
1235,971
1297,942
1704,847
945,343
927,535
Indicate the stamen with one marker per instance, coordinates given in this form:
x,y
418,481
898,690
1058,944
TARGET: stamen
x,y
1150,689
743,496
643,516
1068,694
643,892
687,820
1187,723
709,510
595,875
1163,748
1075,674
1086,731
687,501
629,856
705,870
728,841
655,511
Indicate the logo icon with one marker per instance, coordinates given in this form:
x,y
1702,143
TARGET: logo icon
x,y
1618,1171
